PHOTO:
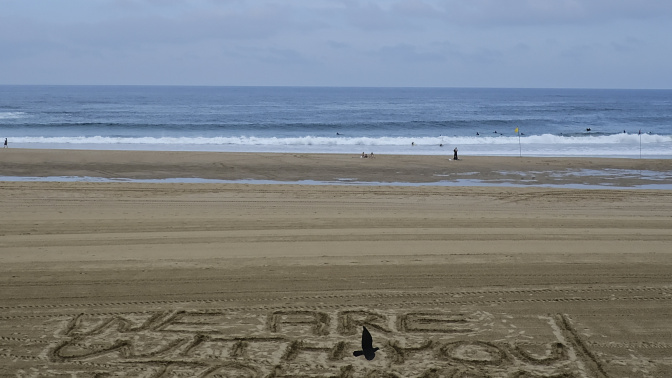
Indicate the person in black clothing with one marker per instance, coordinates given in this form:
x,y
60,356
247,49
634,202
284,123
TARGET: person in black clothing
x,y
455,154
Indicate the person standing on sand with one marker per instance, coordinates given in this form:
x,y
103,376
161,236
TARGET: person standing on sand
x,y
5,144
455,154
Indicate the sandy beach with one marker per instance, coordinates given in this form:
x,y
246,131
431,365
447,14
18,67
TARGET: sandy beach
x,y
140,279
336,167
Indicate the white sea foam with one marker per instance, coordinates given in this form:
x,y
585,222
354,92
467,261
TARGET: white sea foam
x,y
11,115
546,139
625,145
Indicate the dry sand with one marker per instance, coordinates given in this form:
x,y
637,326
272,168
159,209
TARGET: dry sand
x,y
239,280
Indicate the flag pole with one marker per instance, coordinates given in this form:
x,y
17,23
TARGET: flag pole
x,y
640,143
520,148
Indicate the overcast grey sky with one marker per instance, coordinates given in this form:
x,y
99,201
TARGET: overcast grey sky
x,y
444,43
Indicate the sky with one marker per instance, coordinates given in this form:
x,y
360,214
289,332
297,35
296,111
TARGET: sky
x,y
373,43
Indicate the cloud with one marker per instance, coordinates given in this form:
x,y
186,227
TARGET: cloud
x,y
408,53
323,42
337,44
629,45
376,17
190,27
493,13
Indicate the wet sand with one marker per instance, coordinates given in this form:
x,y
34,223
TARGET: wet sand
x,y
335,167
165,280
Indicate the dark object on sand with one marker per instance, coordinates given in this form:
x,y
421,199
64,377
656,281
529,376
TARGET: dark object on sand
x,y
367,346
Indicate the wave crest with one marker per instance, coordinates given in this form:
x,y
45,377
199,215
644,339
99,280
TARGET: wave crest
x,y
352,141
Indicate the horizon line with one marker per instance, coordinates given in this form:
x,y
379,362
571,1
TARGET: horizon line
x,y
329,86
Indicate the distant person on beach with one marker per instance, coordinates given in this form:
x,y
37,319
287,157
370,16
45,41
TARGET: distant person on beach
x,y
455,154
371,155
5,143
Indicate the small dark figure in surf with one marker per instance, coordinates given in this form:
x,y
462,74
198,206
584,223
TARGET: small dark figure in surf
x,y
5,143
367,346
455,154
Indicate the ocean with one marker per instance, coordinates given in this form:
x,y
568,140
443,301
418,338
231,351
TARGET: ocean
x,y
422,121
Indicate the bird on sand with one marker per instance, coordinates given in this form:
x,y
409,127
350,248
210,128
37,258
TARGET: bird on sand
x,y
367,346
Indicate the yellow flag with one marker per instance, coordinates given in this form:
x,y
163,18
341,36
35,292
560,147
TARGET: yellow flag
x,y
516,130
